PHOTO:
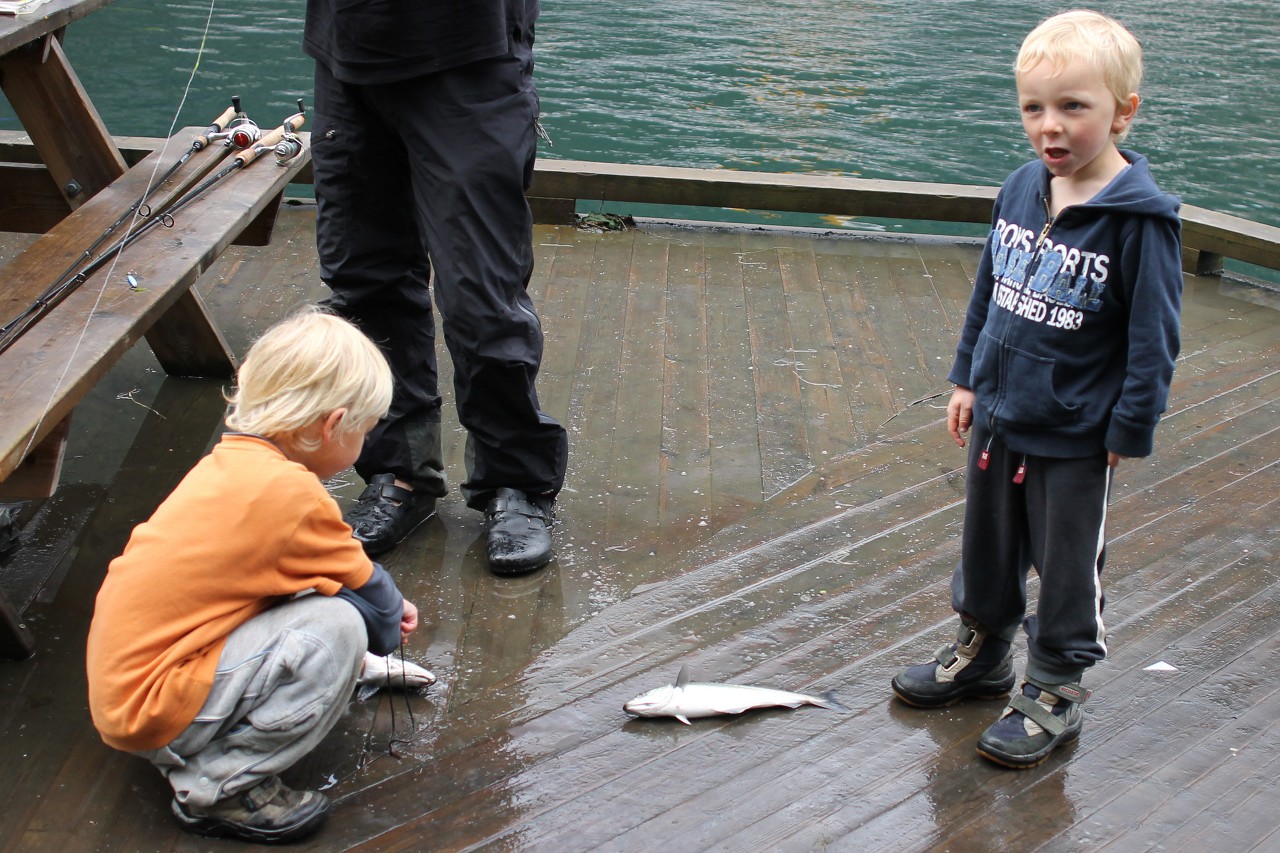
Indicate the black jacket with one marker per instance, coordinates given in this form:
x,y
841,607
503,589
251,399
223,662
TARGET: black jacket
x,y
382,41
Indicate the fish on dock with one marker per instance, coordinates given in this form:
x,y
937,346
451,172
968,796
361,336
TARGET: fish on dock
x,y
685,700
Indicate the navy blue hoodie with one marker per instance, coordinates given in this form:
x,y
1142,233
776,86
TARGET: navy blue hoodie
x,y
1072,331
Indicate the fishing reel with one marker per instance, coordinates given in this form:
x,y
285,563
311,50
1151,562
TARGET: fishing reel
x,y
290,146
240,131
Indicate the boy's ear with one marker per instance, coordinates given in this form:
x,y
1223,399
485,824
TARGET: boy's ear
x,y
331,423
1125,111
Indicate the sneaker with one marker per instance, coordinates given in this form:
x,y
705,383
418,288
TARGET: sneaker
x,y
1037,721
267,813
393,672
517,532
976,666
385,514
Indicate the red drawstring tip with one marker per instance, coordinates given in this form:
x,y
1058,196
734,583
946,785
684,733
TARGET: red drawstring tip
x,y
984,459
1021,474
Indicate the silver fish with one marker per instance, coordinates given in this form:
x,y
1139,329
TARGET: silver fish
x,y
684,700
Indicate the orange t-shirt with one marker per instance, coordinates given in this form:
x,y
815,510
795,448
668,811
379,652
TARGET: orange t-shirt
x,y
244,530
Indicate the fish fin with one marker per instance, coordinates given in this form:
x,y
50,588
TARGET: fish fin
x,y
683,678
682,718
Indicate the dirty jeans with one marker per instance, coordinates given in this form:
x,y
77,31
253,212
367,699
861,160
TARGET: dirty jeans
x,y
283,680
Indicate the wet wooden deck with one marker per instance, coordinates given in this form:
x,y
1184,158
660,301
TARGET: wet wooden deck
x,y
750,492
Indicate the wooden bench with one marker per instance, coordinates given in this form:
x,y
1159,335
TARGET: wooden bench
x,y
46,371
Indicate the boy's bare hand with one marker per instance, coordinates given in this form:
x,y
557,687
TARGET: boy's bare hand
x,y
960,413
1113,459
408,622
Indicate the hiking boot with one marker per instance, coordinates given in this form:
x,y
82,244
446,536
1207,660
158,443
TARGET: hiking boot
x,y
517,532
1037,721
385,514
976,666
267,813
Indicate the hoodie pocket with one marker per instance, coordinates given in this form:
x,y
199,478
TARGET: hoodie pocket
x,y
1019,386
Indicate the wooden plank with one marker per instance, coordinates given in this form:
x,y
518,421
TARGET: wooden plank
x,y
826,413
825,194
1233,236
784,440
686,499
106,316
65,127
736,469
37,475
633,504
29,199
51,17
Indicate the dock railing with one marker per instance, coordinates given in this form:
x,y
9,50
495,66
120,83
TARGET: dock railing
x,y
1208,237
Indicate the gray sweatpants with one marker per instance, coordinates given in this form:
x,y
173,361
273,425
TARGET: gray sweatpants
x,y
284,679
1053,521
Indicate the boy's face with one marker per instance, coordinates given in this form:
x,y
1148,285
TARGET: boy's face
x,y
1071,117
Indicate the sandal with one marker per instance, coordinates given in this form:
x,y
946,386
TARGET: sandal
x,y
385,514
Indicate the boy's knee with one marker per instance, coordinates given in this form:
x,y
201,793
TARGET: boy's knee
x,y
335,623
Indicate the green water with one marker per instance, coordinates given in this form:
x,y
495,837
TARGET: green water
x,y
903,90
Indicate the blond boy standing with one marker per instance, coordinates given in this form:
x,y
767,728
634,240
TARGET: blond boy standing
x,y
1062,371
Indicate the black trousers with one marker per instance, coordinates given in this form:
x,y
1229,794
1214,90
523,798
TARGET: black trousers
x,y
1053,521
429,175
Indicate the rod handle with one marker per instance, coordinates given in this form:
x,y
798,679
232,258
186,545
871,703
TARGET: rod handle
x,y
269,140
216,127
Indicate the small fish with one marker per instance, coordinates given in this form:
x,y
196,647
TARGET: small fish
x,y
683,700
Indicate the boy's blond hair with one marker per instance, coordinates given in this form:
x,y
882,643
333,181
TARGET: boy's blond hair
x,y
1090,36
304,368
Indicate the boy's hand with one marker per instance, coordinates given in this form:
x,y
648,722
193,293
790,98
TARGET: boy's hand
x,y
408,622
1113,459
960,413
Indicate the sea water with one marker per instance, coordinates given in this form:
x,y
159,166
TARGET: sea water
x,y
919,91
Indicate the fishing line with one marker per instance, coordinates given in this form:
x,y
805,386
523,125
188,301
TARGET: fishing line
x,y
392,740
204,38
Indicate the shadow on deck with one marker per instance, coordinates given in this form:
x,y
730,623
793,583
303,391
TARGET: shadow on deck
x,y
751,491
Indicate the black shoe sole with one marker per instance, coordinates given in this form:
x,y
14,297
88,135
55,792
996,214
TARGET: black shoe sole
x,y
217,828
1033,759
978,690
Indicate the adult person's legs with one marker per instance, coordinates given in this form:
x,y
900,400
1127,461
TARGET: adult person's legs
x,y
374,261
471,139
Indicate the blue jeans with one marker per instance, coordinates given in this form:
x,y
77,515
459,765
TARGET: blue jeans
x,y
284,679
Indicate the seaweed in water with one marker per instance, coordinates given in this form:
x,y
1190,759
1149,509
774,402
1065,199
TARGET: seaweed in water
x,y
603,221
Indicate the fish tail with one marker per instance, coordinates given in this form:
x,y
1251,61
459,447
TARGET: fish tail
x,y
831,703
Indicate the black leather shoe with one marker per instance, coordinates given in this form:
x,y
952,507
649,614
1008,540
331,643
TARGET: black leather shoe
x,y
385,513
517,532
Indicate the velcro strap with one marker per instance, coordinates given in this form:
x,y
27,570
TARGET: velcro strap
x,y
1037,712
1072,692
392,492
258,796
946,656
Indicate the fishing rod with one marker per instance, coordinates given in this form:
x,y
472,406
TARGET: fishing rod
x,y
282,137
138,207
